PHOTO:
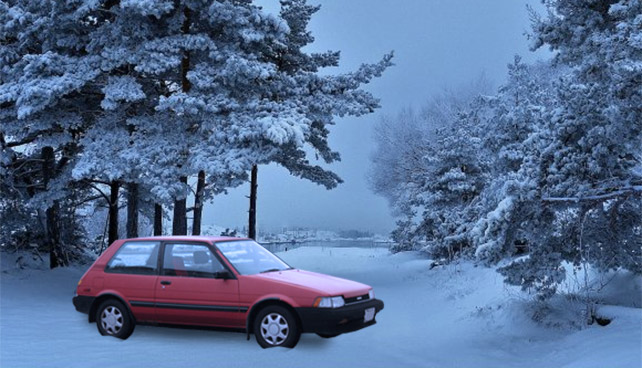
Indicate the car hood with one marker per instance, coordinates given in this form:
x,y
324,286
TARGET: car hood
x,y
326,284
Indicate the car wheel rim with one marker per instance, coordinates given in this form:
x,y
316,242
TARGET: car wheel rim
x,y
112,320
274,329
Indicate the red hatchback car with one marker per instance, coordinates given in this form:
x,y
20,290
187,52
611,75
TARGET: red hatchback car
x,y
219,282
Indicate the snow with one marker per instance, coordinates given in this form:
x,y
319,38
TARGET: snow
x,y
451,316
123,88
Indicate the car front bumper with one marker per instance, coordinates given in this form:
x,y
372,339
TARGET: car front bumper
x,y
331,321
83,303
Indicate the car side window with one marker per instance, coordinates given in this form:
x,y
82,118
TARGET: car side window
x,y
140,258
190,260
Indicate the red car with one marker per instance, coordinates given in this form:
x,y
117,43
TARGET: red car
x,y
220,282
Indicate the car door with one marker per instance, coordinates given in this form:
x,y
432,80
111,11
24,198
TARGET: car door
x,y
188,292
132,274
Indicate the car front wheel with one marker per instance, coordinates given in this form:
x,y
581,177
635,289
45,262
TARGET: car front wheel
x,y
113,319
276,326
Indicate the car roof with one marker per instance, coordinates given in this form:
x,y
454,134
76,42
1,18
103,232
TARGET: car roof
x,y
209,239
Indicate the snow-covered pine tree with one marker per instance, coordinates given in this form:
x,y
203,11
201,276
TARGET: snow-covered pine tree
x,y
591,171
185,73
152,92
515,134
317,98
66,59
599,126
320,97
42,58
457,173
431,168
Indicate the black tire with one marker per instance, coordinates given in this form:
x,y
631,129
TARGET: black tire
x,y
113,319
276,326
328,336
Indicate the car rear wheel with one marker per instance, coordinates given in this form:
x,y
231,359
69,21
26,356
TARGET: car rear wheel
x,y
276,326
113,319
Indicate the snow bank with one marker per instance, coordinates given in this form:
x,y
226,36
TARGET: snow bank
x,y
455,316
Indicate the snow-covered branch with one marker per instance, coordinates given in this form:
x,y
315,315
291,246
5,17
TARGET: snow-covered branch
x,y
636,189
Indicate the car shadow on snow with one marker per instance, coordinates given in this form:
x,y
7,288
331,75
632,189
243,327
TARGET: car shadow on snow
x,y
189,334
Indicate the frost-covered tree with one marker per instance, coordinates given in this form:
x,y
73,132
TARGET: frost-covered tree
x,y
429,167
457,173
186,96
42,58
517,131
599,125
317,98
256,101
556,157
150,93
590,177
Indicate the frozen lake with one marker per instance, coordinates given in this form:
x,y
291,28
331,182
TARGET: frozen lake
x,y
366,244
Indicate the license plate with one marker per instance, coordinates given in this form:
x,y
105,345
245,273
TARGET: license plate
x,y
368,315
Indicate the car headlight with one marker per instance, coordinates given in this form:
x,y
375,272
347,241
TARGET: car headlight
x,y
329,302
371,294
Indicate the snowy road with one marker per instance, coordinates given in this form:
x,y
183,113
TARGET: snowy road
x,y
462,316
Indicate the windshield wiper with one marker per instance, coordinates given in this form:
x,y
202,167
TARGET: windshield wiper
x,y
271,270
277,269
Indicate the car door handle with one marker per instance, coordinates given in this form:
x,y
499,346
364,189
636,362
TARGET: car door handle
x,y
165,282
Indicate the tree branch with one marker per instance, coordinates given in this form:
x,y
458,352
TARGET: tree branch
x,y
636,189
105,196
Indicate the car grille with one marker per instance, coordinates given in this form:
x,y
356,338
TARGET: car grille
x,y
357,299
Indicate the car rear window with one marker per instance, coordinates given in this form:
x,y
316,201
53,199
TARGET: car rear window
x,y
140,258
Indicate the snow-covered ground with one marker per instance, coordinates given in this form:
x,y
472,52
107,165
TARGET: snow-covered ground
x,y
456,316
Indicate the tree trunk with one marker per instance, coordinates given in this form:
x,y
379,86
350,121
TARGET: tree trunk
x,y
251,232
53,236
198,204
179,225
185,84
52,230
132,210
158,219
113,212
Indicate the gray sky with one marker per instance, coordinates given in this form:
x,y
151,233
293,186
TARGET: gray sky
x,y
437,44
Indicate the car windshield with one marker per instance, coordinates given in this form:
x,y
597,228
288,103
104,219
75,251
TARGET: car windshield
x,y
249,258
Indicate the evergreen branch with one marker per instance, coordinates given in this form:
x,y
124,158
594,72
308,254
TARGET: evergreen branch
x,y
637,189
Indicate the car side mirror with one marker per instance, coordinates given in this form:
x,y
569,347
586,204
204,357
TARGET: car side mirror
x,y
225,275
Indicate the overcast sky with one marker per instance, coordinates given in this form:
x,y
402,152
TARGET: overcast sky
x,y
437,43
